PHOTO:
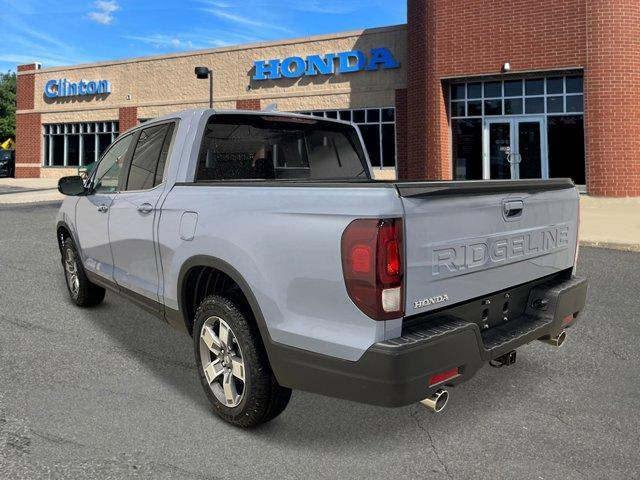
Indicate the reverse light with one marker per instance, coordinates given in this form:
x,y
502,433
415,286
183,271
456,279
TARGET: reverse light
x,y
372,266
443,376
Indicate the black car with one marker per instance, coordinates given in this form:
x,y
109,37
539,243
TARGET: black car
x,y
7,163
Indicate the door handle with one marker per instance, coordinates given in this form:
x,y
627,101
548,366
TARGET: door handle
x,y
145,208
103,208
512,209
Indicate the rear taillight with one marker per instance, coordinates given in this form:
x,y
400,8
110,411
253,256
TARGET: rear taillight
x,y
372,266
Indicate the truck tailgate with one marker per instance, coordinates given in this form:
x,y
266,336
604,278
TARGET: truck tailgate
x,y
465,240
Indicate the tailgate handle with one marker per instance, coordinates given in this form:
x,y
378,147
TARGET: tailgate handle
x,y
512,208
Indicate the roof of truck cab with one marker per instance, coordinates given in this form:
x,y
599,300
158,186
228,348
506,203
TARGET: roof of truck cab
x,y
198,112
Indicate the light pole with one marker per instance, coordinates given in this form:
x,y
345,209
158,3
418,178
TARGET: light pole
x,y
202,73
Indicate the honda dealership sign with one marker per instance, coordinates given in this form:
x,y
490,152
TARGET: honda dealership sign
x,y
328,64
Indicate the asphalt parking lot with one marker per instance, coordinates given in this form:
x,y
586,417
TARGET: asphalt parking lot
x,y
110,392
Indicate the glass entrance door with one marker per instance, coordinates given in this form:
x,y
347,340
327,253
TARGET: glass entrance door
x,y
514,148
499,149
529,148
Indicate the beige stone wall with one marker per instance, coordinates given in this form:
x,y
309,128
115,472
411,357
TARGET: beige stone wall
x,y
384,173
158,110
102,115
159,85
58,172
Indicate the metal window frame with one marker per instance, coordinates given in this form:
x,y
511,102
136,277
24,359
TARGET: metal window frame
x,y
513,121
523,97
485,119
63,130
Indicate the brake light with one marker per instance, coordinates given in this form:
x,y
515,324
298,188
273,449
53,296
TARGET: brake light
x,y
443,376
372,266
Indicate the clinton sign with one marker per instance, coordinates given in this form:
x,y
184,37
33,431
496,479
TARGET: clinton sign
x,y
64,88
328,64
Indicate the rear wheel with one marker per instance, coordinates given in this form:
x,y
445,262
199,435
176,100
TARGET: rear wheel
x,y
81,290
233,366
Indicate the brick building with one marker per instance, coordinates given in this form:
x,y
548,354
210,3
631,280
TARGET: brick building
x,y
471,89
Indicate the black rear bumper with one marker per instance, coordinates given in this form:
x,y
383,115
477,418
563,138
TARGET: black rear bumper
x,y
396,372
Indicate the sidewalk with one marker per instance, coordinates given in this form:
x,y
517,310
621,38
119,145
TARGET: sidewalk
x,y
605,222
15,191
610,222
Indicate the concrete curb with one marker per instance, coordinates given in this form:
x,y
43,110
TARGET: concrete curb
x,y
33,196
28,191
625,247
42,203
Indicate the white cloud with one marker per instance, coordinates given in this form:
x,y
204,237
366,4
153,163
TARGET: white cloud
x,y
331,7
24,44
217,4
32,33
219,42
158,40
261,7
104,10
246,21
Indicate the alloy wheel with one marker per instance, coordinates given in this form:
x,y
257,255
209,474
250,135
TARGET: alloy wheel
x,y
71,272
222,361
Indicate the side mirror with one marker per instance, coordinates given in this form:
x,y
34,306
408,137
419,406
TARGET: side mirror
x,y
72,186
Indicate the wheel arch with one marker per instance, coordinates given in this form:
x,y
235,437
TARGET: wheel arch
x,y
63,232
217,264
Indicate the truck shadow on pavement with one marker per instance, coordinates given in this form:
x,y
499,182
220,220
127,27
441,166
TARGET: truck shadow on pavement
x,y
166,353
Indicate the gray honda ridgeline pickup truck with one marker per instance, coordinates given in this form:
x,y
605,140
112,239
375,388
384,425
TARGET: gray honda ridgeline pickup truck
x,y
264,236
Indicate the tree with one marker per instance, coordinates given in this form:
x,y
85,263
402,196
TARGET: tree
x,y
7,106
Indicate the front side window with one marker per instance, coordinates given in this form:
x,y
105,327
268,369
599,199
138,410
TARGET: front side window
x,y
108,170
149,158
262,147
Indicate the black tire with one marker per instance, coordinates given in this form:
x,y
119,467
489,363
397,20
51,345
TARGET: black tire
x,y
262,399
85,294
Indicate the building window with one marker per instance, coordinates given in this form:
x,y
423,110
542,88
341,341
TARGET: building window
x,y
549,95
467,146
76,144
566,147
550,109
378,128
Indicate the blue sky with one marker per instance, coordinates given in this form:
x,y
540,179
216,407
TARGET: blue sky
x,y
70,32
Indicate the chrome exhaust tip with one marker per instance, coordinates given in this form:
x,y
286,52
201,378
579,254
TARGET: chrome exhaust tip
x,y
437,401
556,341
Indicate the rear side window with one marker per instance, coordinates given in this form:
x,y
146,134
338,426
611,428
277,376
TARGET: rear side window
x,y
149,157
263,147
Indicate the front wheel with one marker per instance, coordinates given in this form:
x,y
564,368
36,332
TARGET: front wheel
x,y
233,365
82,292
